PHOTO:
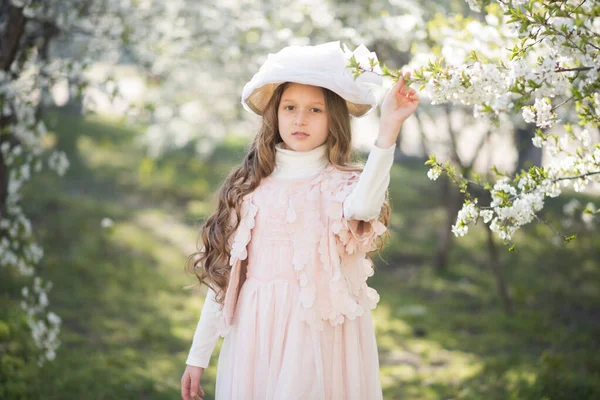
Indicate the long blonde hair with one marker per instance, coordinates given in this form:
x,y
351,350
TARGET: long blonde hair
x,y
210,263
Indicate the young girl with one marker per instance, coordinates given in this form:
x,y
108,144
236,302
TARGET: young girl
x,y
284,255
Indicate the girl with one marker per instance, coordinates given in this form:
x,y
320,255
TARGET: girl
x,y
284,255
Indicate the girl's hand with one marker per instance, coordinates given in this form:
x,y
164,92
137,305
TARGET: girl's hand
x,y
190,383
399,103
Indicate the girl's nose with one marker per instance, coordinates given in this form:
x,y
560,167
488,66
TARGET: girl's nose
x,y
300,118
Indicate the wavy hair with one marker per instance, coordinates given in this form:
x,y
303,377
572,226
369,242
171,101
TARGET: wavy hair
x,y
210,263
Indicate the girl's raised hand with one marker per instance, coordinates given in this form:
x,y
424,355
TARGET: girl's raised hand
x,y
190,383
399,103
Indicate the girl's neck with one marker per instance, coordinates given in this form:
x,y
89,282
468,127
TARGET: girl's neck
x,y
290,164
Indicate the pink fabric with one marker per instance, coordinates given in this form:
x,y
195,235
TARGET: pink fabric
x,y
298,325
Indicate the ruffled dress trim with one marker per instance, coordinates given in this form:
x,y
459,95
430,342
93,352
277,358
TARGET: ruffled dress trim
x,y
343,253
238,253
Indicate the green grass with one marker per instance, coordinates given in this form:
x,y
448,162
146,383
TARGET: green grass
x,y
128,322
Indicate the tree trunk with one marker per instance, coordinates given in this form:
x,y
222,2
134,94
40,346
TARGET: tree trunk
x,y
9,45
527,152
419,118
452,204
497,270
11,37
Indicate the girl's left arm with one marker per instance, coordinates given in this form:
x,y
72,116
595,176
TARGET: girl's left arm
x,y
367,197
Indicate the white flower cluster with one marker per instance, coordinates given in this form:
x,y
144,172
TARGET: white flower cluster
x,y
486,84
516,204
525,62
540,113
44,327
487,87
493,88
467,215
58,162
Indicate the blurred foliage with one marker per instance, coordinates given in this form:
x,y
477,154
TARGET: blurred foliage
x,y
128,322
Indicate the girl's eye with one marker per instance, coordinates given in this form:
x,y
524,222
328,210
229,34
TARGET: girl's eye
x,y
289,108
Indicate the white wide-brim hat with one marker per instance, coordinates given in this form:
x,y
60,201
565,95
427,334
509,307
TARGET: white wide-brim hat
x,y
324,65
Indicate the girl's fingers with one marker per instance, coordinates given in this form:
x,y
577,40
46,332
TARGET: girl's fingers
x,y
409,94
402,78
185,387
196,389
401,88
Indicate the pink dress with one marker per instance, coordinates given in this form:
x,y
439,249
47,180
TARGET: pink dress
x,y
271,351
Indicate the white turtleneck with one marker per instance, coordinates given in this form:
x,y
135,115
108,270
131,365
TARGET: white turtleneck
x,y
364,203
291,164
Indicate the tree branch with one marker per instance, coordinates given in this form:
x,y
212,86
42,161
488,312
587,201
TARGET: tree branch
x,y
566,101
576,177
550,226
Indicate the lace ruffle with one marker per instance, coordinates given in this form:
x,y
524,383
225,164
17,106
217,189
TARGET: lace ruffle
x,y
349,241
238,253
243,234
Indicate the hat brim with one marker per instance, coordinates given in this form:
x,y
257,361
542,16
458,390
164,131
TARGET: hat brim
x,y
259,98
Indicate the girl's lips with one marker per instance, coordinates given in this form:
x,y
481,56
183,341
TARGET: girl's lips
x,y
300,135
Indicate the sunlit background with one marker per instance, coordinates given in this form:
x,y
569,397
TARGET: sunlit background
x,y
151,136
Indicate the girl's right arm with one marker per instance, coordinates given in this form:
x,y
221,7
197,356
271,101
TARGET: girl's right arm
x,y
205,340
190,383
206,335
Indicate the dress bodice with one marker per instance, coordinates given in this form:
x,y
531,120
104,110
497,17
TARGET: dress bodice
x,y
295,230
270,251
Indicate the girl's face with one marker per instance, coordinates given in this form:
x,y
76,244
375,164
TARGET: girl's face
x,y
302,117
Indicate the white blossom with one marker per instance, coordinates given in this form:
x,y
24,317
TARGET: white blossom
x,y
434,172
588,214
468,214
528,114
487,215
545,117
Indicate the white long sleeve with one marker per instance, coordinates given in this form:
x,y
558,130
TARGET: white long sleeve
x,y
206,335
367,197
